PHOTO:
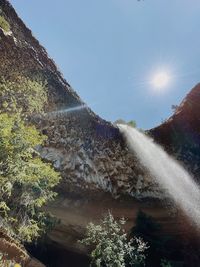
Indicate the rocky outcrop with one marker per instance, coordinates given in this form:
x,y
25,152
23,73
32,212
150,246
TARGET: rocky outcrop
x,y
88,151
91,153
16,252
180,134
98,171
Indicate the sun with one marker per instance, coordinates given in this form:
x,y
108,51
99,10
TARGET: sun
x,y
160,80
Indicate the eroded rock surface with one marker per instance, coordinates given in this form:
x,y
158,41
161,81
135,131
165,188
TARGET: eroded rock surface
x,y
180,134
86,149
16,252
89,152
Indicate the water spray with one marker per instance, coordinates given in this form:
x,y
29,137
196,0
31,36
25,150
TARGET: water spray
x,y
166,171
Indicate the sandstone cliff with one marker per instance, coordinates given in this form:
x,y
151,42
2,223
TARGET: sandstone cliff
x,y
180,134
16,252
98,171
88,151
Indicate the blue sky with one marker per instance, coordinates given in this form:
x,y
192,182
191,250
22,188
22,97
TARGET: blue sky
x,y
109,50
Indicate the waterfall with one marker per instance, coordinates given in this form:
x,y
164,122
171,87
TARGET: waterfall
x,y
166,171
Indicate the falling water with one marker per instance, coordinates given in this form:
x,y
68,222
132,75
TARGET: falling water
x,y
167,172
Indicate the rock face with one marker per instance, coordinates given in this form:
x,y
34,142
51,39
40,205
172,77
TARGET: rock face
x,y
180,134
16,252
98,171
89,152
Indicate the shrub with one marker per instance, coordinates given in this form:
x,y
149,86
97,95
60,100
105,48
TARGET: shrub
x,y
111,245
4,24
26,182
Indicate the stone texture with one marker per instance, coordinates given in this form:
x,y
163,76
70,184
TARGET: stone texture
x,y
86,149
180,134
16,252
90,153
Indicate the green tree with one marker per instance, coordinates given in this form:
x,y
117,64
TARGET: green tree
x,y
111,245
26,182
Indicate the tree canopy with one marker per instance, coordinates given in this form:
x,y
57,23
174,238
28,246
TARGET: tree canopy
x,y
26,182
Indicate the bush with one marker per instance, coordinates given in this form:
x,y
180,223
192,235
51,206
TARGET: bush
x,y
26,182
111,245
4,24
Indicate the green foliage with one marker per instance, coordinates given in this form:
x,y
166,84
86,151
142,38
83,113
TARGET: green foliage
x,y
26,182
22,94
131,123
111,245
4,24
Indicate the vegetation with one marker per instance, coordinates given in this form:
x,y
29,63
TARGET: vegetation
x,y
4,24
112,248
22,94
131,123
174,108
26,182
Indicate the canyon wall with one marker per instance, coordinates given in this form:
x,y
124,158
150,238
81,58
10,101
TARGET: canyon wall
x,y
98,170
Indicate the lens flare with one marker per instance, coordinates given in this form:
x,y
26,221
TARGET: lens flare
x,y
67,110
160,80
